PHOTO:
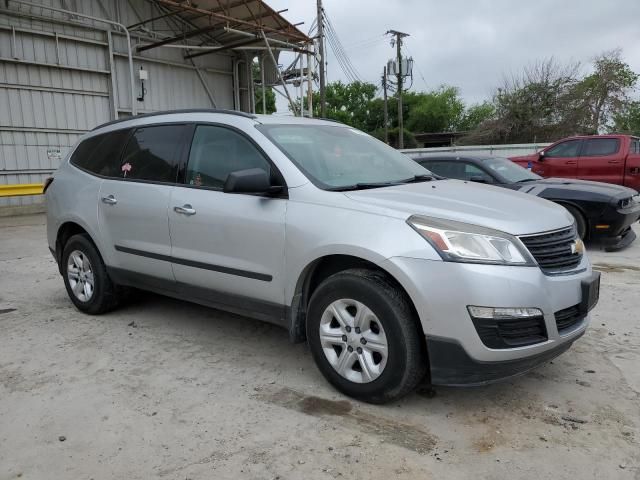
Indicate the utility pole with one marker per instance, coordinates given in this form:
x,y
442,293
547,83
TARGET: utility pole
x,y
386,110
323,98
399,73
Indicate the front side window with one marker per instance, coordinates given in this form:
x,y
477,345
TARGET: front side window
x,y
218,151
509,172
596,147
153,154
339,157
100,154
565,149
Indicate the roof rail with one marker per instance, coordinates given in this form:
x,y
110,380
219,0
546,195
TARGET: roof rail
x,y
331,120
185,110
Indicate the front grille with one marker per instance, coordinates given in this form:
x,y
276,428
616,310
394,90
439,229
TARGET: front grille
x,y
511,333
568,318
554,251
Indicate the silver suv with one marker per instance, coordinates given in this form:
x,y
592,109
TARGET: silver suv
x,y
392,275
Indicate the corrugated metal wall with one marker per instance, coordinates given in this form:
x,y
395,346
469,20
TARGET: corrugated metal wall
x,y
62,75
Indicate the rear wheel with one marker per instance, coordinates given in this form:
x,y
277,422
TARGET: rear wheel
x,y
364,337
85,277
581,222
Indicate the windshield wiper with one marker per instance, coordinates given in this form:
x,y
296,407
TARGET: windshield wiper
x,y
418,178
362,186
527,180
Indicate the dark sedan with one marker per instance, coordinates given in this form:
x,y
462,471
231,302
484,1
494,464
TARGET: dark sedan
x,y
602,211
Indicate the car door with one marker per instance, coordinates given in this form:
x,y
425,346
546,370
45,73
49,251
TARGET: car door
x,y
601,160
133,203
560,160
228,249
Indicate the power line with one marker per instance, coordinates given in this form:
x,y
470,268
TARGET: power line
x,y
418,68
338,50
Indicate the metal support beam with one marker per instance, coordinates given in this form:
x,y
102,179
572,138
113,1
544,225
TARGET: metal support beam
x,y
229,46
264,90
113,91
295,36
275,63
182,36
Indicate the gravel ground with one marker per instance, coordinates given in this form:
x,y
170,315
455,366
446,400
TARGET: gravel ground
x,y
167,389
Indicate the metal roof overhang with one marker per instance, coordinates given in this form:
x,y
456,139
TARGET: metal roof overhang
x,y
226,25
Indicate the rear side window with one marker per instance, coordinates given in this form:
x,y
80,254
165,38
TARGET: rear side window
x,y
595,147
101,154
216,152
153,154
565,149
446,169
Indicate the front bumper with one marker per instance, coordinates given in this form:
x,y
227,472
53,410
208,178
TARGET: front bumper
x,y
441,292
619,220
452,366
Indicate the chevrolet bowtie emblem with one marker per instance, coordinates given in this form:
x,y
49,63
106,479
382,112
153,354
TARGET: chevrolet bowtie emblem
x,y
577,247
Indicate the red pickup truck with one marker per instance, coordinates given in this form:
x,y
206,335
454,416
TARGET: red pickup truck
x,y
602,158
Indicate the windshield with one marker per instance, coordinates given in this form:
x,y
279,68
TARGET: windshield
x,y
509,171
339,157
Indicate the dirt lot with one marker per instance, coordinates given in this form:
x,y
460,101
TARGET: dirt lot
x,y
166,389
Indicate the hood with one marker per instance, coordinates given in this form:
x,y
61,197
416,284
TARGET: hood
x,y
493,207
617,192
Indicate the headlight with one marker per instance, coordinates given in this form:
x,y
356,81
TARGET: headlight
x,y
463,242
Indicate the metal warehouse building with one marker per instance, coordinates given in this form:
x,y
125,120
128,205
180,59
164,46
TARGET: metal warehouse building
x,y
67,66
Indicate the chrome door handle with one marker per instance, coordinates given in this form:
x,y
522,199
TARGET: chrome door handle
x,y
109,200
185,210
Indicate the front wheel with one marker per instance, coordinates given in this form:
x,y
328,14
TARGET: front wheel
x,y
364,336
581,222
85,277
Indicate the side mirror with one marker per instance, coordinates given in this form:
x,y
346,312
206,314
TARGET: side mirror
x,y
541,156
478,179
252,180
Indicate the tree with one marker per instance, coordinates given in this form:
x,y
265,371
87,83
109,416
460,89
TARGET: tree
x,y
270,95
475,115
628,119
437,111
550,101
605,92
350,103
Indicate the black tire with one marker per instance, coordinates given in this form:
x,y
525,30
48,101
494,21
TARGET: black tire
x,y
581,222
406,363
105,293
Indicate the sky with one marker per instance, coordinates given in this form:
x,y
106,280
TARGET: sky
x,y
472,44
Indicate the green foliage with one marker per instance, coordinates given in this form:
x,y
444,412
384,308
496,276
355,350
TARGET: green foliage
x,y
440,110
409,138
475,115
550,101
604,93
628,119
350,103
270,95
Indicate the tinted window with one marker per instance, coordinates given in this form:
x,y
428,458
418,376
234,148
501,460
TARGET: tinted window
x,y
456,169
446,169
508,171
101,154
153,153
564,149
216,152
595,147
635,146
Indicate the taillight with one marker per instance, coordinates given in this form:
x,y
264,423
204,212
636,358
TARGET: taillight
x,y
47,182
